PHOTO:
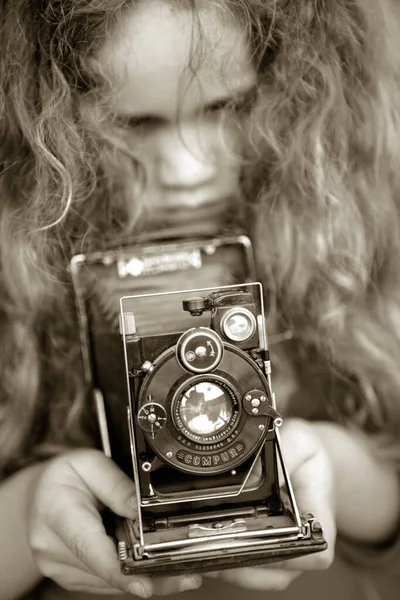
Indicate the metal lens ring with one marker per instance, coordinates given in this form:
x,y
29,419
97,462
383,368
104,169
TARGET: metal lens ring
x,y
206,409
238,324
213,444
199,350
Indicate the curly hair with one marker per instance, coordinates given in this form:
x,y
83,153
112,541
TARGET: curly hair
x,y
323,189
327,226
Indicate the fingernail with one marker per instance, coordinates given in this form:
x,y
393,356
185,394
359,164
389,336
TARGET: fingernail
x,y
138,589
190,583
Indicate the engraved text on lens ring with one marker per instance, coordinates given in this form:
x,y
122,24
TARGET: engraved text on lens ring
x,y
212,460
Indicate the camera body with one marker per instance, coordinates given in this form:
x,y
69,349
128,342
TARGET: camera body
x,y
187,410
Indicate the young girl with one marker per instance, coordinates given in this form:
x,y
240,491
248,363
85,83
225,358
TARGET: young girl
x,y
124,115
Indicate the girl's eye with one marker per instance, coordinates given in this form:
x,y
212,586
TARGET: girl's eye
x,y
141,121
240,105
146,121
218,106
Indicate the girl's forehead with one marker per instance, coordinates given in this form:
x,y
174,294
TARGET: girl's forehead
x,y
158,55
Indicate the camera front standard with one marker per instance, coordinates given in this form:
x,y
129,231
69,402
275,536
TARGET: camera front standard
x,y
204,440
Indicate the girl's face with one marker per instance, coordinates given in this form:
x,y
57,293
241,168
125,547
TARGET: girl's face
x,y
180,80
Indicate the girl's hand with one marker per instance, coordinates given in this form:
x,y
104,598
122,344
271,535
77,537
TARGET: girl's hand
x,y
311,475
66,532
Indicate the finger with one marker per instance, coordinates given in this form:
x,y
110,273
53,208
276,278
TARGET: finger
x,y
107,482
97,591
56,560
61,565
311,477
74,580
263,579
164,586
83,533
51,552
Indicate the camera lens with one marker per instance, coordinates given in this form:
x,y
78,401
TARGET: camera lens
x,y
238,324
205,408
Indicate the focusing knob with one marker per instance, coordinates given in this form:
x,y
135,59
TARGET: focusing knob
x,y
152,417
199,350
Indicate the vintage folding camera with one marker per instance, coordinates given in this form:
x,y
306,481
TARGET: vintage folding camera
x,y
181,381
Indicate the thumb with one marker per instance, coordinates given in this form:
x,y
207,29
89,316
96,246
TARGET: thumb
x,y
311,475
105,481
307,463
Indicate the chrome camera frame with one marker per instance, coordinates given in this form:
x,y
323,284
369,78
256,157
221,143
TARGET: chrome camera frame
x,y
207,539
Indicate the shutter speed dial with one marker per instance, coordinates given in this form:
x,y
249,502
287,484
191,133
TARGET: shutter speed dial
x,y
152,418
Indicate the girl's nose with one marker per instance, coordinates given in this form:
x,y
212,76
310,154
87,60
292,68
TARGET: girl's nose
x,y
186,158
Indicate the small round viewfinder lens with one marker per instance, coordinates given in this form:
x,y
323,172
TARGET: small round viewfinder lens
x,y
239,325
